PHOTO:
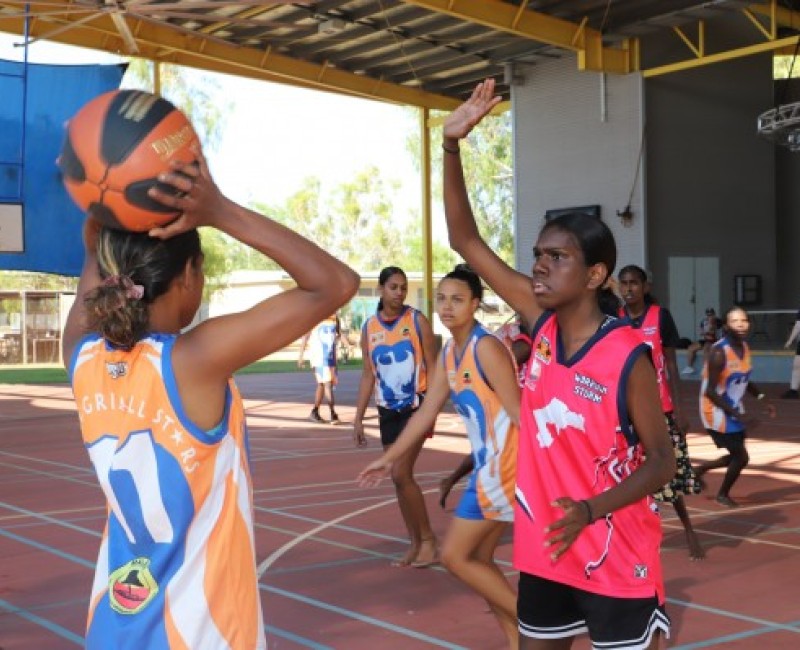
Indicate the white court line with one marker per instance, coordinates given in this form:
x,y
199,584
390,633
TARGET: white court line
x,y
51,513
280,552
352,482
33,459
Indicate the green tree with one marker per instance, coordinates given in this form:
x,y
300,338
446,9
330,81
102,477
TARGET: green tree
x,y
29,280
196,93
199,95
444,258
488,172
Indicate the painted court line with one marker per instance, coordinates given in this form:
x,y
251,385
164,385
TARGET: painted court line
x,y
49,520
62,632
50,513
766,626
351,482
33,459
306,643
33,473
364,619
278,553
742,538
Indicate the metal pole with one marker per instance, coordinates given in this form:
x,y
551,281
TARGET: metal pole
x,y
427,236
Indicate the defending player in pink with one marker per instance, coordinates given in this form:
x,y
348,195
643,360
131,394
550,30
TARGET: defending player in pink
x,y
593,442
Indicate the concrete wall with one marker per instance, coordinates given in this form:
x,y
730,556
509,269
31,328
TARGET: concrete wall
x,y
573,148
787,192
710,177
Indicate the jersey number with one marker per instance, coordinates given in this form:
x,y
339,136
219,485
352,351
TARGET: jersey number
x,y
137,457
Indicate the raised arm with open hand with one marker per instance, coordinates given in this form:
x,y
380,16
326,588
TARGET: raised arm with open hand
x,y
462,120
513,287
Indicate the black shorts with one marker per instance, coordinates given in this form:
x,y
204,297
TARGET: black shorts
x,y
730,441
391,422
551,610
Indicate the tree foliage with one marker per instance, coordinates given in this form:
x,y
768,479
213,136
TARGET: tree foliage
x,y
488,172
196,93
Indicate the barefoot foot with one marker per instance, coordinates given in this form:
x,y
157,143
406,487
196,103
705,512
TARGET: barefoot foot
x,y
407,559
428,554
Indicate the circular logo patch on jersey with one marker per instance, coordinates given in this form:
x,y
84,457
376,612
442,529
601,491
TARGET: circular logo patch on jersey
x,y
132,587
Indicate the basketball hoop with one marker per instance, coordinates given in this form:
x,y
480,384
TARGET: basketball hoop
x,y
781,125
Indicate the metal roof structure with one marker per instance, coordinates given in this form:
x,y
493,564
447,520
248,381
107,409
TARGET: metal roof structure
x,y
426,53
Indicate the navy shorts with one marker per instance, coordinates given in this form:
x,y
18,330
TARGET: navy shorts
x,y
551,610
391,423
730,441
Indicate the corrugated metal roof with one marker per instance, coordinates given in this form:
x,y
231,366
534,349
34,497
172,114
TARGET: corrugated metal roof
x,y
418,52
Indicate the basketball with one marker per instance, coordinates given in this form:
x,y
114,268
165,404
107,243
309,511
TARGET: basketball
x,y
116,146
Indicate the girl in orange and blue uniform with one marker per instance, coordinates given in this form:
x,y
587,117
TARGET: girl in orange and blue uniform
x,y
164,424
477,372
397,347
726,379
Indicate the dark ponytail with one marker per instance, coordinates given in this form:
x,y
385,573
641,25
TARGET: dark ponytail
x,y
135,269
465,273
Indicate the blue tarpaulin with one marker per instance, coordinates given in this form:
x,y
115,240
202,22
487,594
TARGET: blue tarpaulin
x,y
52,222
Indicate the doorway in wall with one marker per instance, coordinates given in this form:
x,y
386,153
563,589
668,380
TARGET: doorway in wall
x,y
693,287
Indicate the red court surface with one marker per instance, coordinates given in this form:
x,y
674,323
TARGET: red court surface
x,y
326,544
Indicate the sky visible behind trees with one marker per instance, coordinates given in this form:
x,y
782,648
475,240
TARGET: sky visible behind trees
x,y
323,176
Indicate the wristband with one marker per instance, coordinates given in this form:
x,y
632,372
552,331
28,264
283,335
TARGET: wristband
x,y
760,396
589,514
455,151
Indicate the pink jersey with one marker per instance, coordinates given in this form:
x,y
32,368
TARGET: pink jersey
x,y
650,331
176,568
576,441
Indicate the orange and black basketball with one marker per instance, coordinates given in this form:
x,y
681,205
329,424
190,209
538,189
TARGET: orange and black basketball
x,y
116,146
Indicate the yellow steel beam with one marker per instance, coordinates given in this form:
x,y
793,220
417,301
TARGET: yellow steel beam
x,y
536,26
777,15
161,43
770,33
699,49
427,212
722,56
222,23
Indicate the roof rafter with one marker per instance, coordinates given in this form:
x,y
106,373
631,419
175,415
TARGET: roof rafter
x,y
536,26
161,43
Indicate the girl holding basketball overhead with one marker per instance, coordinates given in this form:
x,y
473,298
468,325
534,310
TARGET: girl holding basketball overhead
x,y
476,371
593,444
164,423
397,347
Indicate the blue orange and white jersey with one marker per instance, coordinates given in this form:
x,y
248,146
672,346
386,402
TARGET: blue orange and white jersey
x,y
398,362
492,434
176,567
731,386
323,341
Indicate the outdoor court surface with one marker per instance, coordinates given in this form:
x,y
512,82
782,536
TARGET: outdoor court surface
x,y
326,544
